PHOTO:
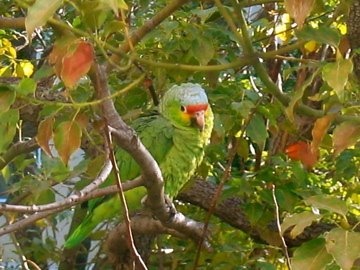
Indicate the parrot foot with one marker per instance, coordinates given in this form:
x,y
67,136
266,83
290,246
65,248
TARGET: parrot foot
x,y
169,205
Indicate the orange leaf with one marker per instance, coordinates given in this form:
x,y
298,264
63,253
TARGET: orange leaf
x,y
44,134
82,120
299,10
302,151
77,63
67,139
346,134
319,130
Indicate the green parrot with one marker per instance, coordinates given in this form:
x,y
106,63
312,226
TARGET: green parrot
x,y
175,137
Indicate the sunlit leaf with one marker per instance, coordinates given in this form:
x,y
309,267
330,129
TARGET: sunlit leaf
x,y
345,135
27,68
77,63
344,246
44,134
311,46
319,130
39,13
115,5
299,10
336,75
7,97
67,139
329,203
311,255
299,222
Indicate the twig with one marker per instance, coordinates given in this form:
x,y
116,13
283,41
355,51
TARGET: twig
x,y
95,194
130,240
215,199
278,225
66,202
33,264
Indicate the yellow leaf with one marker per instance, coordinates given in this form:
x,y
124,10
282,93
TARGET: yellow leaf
x,y
319,130
311,46
27,68
345,135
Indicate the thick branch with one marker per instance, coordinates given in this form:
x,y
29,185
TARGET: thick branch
x,y
231,212
12,23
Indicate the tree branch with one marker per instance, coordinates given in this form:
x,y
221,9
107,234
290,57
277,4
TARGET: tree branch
x,y
12,23
230,211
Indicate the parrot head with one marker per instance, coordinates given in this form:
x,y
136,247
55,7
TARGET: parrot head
x,y
186,105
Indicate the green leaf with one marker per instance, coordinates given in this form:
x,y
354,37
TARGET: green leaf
x,y
329,203
8,121
242,148
7,97
323,35
203,50
254,212
311,255
243,108
344,246
298,95
26,86
67,139
256,130
336,75
39,13
299,221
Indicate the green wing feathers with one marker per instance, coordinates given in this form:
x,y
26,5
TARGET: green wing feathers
x,y
156,134
98,214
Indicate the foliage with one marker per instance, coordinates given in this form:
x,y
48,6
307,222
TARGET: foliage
x,y
278,76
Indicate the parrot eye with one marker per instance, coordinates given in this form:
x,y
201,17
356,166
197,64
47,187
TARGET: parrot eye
x,y
182,108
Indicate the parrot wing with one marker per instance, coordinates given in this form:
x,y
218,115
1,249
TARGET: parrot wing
x,y
156,133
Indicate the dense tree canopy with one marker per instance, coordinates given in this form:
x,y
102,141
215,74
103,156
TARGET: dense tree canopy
x,y
279,185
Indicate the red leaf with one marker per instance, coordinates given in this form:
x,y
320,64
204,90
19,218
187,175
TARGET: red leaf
x,y
44,134
77,63
302,151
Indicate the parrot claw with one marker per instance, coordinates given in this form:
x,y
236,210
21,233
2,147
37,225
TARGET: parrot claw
x,y
171,206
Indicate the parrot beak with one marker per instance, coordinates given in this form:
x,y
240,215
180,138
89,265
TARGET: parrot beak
x,y
198,119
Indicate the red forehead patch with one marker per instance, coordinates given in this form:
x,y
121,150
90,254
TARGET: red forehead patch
x,y
196,108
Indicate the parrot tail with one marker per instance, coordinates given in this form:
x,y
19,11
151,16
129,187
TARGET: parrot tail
x,y
80,233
